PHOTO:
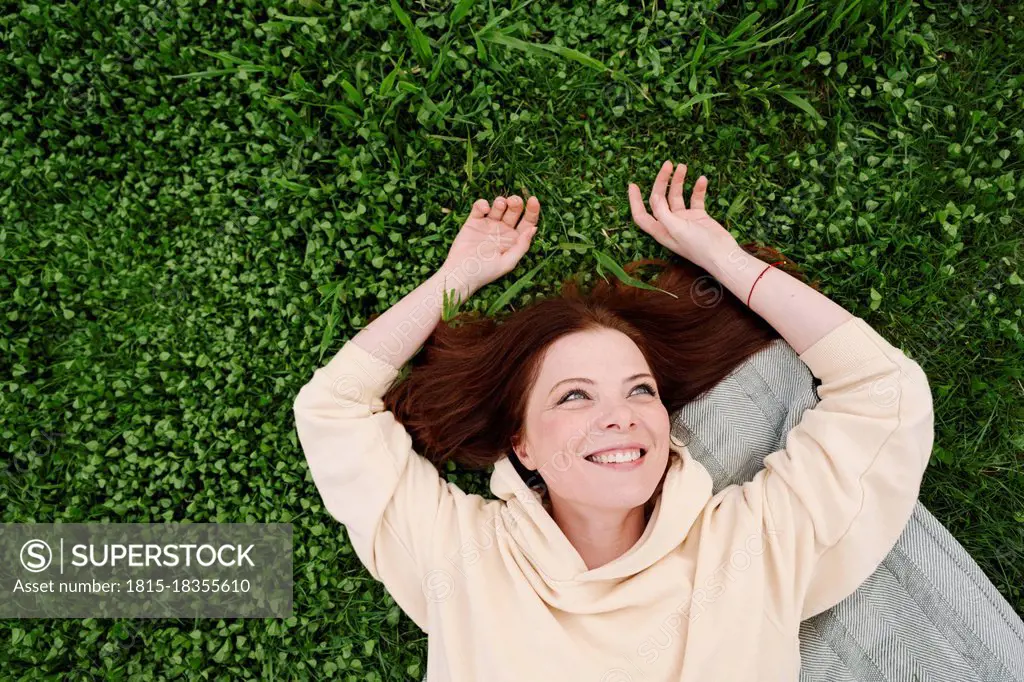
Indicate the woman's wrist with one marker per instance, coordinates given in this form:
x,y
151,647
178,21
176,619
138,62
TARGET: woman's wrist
x,y
399,332
727,261
457,280
800,314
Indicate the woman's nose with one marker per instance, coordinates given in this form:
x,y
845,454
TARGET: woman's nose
x,y
621,416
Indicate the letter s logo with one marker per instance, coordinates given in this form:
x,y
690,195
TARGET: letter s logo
x,y
36,556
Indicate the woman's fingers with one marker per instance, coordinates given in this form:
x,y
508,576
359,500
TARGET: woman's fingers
x,y
642,218
657,198
513,211
480,209
700,188
522,236
517,238
518,248
675,190
498,209
529,220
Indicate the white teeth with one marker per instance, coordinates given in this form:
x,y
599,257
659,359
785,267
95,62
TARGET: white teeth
x,y
614,456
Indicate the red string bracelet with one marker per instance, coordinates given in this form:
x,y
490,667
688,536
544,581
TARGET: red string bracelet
x,y
759,279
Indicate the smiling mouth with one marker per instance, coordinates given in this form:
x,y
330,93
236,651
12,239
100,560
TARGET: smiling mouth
x,y
619,459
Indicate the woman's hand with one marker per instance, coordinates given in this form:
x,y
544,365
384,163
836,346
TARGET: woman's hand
x,y
490,242
688,232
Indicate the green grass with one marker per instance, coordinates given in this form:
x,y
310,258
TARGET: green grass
x,y
200,202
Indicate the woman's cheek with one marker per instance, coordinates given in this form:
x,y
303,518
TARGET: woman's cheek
x,y
660,420
562,441
557,435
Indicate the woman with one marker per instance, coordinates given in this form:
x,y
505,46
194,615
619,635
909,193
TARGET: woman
x,y
622,565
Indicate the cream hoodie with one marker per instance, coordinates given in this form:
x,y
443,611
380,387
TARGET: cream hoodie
x,y
716,587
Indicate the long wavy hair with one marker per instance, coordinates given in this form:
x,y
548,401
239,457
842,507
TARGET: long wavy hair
x,y
464,395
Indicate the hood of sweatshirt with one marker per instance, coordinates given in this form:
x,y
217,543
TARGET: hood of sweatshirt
x,y
553,566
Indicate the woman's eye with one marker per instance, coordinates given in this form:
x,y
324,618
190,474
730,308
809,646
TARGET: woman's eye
x,y
574,391
650,391
648,387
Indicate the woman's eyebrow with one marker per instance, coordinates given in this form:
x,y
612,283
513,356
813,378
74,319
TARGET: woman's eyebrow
x,y
584,380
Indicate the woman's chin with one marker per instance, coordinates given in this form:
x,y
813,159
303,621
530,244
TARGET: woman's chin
x,y
627,497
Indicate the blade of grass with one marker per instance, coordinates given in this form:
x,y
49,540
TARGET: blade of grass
x,y
606,261
451,301
693,101
577,56
840,13
241,65
223,56
332,318
542,50
736,206
308,21
389,80
900,15
353,93
494,21
438,65
742,27
724,49
420,44
698,52
220,72
460,11
516,287
290,113
798,101
400,13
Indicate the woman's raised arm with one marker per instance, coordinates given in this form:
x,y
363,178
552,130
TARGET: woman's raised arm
x,y
390,499
487,247
834,501
800,314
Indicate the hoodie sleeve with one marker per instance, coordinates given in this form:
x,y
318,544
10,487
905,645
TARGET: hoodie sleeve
x,y
835,500
361,459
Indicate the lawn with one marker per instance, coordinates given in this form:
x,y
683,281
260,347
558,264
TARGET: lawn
x,y
199,202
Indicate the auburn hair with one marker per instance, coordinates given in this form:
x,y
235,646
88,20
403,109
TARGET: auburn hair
x,y
464,394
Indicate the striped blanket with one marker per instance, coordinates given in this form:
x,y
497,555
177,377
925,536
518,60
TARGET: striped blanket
x,y
927,613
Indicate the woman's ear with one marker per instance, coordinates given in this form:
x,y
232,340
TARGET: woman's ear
x,y
527,461
523,455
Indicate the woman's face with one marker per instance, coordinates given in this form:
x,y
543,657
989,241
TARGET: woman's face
x,y
595,391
